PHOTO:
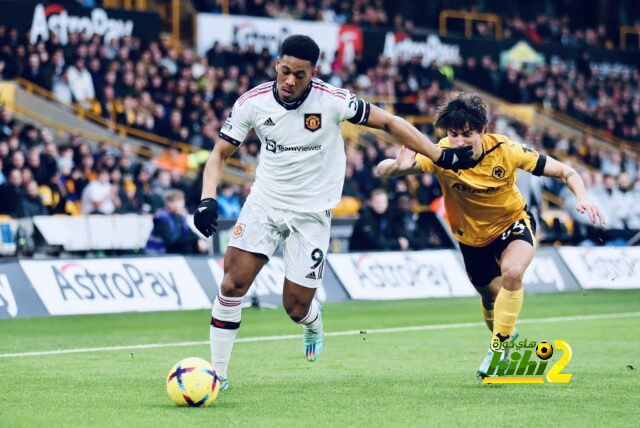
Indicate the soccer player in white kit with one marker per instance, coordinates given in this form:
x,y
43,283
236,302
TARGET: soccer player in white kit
x,y
299,178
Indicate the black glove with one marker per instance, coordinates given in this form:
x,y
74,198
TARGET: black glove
x,y
206,216
456,158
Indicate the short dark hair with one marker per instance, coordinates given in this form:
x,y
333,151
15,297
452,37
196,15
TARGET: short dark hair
x,y
302,47
461,109
174,194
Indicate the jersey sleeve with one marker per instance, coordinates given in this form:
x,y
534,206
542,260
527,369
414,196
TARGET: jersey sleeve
x,y
426,164
238,124
355,110
527,158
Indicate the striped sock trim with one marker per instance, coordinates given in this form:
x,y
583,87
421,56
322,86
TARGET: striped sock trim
x,y
229,302
305,320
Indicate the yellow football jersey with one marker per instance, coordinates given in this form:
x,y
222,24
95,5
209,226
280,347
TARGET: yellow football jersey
x,y
483,201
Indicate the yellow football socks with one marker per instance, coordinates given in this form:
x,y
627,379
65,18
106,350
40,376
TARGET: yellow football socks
x,y
487,314
507,309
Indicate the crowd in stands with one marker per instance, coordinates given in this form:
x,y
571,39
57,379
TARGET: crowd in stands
x,y
185,98
543,28
41,176
367,13
548,29
604,99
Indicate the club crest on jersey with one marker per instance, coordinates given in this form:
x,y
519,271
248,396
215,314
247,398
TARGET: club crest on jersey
x,y
313,121
498,172
238,230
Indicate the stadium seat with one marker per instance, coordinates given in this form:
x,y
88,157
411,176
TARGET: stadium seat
x,y
348,207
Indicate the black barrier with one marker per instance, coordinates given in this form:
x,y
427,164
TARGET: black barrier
x,y
38,19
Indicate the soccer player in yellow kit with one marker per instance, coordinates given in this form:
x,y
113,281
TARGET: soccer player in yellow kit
x,y
485,210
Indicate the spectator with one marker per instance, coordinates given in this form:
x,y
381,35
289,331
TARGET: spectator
x,y
228,202
33,72
61,89
11,193
147,199
81,83
372,231
99,197
171,232
30,203
403,223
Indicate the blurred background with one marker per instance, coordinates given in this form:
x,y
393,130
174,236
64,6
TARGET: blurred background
x,y
110,108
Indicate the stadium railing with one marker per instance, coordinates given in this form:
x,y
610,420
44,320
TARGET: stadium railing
x,y
626,31
63,128
171,12
468,18
126,4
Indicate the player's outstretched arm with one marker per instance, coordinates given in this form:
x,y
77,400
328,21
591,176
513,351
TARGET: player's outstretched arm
x,y
407,134
572,179
404,164
206,215
216,163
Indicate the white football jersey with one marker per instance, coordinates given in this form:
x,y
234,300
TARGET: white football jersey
x,y
302,159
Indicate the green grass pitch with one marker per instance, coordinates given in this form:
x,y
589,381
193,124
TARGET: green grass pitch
x,y
411,378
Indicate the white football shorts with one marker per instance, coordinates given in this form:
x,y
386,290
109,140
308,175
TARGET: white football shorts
x,y
261,228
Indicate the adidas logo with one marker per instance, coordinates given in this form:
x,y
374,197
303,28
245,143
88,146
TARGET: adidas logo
x,y
269,122
312,275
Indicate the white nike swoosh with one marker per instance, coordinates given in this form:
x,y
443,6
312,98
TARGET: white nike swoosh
x,y
201,209
455,158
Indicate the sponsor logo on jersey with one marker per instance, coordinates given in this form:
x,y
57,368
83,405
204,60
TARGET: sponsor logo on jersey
x,y
274,147
498,172
238,230
464,188
269,122
313,121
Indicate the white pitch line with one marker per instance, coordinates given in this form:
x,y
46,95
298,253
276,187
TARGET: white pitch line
x,y
328,334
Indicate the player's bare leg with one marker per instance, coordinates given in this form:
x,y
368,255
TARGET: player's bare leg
x,y
240,269
304,309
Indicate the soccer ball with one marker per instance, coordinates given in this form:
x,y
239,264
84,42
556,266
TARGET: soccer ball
x,y
193,382
544,351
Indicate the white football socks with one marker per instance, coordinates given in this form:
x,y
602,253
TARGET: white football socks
x,y
225,322
313,316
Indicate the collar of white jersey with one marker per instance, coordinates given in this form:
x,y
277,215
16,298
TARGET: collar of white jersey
x,y
290,106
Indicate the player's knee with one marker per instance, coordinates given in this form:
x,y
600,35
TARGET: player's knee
x,y
512,276
296,309
231,287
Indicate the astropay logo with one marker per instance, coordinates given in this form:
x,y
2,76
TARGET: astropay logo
x,y
7,300
77,281
55,18
112,285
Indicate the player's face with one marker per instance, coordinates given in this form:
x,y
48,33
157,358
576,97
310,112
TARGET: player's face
x,y
294,75
466,137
